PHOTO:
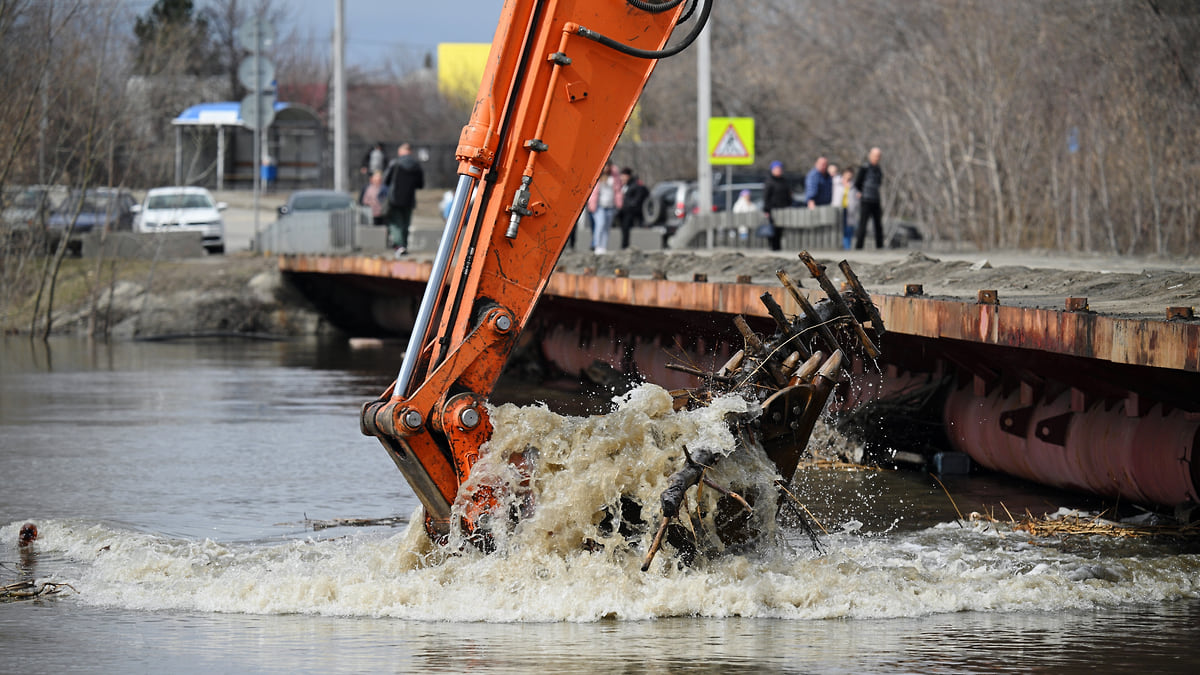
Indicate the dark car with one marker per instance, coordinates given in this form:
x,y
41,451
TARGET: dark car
x,y
683,200
95,209
677,199
724,196
316,201
29,205
658,207
902,234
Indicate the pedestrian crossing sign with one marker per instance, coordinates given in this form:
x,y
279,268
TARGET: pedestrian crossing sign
x,y
731,140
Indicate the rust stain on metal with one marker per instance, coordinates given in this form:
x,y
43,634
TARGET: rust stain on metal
x,y
989,298
1077,304
1158,343
1180,313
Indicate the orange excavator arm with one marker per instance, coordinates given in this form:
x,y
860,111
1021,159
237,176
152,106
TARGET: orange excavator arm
x,y
561,81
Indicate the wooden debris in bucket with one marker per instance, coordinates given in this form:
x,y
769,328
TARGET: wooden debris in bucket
x,y
790,375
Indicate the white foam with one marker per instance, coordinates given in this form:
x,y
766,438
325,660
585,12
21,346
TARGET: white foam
x,y
542,572
371,575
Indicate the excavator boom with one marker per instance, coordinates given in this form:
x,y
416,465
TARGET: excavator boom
x,y
561,81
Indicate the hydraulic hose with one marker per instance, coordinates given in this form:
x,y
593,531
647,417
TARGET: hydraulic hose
x,y
655,8
645,53
660,8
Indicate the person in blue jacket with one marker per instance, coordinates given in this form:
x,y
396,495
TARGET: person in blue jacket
x,y
818,185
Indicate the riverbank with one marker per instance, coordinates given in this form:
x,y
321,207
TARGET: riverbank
x,y
235,295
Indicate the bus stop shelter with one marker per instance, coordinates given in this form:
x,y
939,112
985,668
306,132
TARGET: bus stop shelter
x,y
214,146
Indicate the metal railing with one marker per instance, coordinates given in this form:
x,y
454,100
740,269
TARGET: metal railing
x,y
801,228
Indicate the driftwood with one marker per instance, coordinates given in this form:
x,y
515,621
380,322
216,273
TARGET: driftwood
x,y
29,590
391,521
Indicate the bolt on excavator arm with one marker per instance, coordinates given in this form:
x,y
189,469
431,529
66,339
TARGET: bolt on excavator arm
x,y
561,82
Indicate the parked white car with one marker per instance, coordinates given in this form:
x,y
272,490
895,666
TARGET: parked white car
x,y
184,209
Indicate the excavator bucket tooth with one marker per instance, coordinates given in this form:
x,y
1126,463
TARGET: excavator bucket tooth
x,y
781,433
791,391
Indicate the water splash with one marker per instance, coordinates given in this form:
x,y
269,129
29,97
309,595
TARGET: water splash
x,y
543,571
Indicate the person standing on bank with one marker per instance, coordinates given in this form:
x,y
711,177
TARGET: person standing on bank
x,y
869,184
633,197
404,177
848,201
777,194
818,185
603,204
373,161
374,197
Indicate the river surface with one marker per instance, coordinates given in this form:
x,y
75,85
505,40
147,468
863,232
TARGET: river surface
x,y
174,485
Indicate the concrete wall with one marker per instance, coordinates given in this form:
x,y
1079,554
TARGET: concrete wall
x,y
371,237
801,228
164,246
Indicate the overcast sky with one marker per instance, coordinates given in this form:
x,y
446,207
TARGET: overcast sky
x,y
380,29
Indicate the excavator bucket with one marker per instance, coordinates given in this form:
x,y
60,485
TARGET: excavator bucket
x,y
790,378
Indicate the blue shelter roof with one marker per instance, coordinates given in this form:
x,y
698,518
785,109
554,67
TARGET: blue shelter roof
x,y
229,113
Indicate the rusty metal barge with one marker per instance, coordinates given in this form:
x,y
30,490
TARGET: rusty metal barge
x,y
1096,401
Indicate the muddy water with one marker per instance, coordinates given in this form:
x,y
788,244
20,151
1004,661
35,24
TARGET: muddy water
x,y
172,483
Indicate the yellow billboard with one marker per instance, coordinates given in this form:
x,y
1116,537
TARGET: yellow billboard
x,y
460,69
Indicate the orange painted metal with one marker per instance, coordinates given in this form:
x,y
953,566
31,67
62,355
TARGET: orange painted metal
x,y
551,107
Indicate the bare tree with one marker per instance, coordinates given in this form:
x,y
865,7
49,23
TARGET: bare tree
x,y
975,103
224,19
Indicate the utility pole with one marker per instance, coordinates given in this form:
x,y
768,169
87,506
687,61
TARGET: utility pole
x,y
340,168
704,179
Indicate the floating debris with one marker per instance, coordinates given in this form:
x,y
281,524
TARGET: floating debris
x,y
30,590
1066,523
391,521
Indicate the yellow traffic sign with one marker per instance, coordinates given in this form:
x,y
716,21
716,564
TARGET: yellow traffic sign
x,y
731,140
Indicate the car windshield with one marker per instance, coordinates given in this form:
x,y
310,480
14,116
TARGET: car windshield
x,y
731,193
320,202
92,203
28,199
179,201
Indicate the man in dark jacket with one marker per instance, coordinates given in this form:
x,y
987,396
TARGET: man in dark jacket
x,y
777,194
630,213
404,177
869,183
